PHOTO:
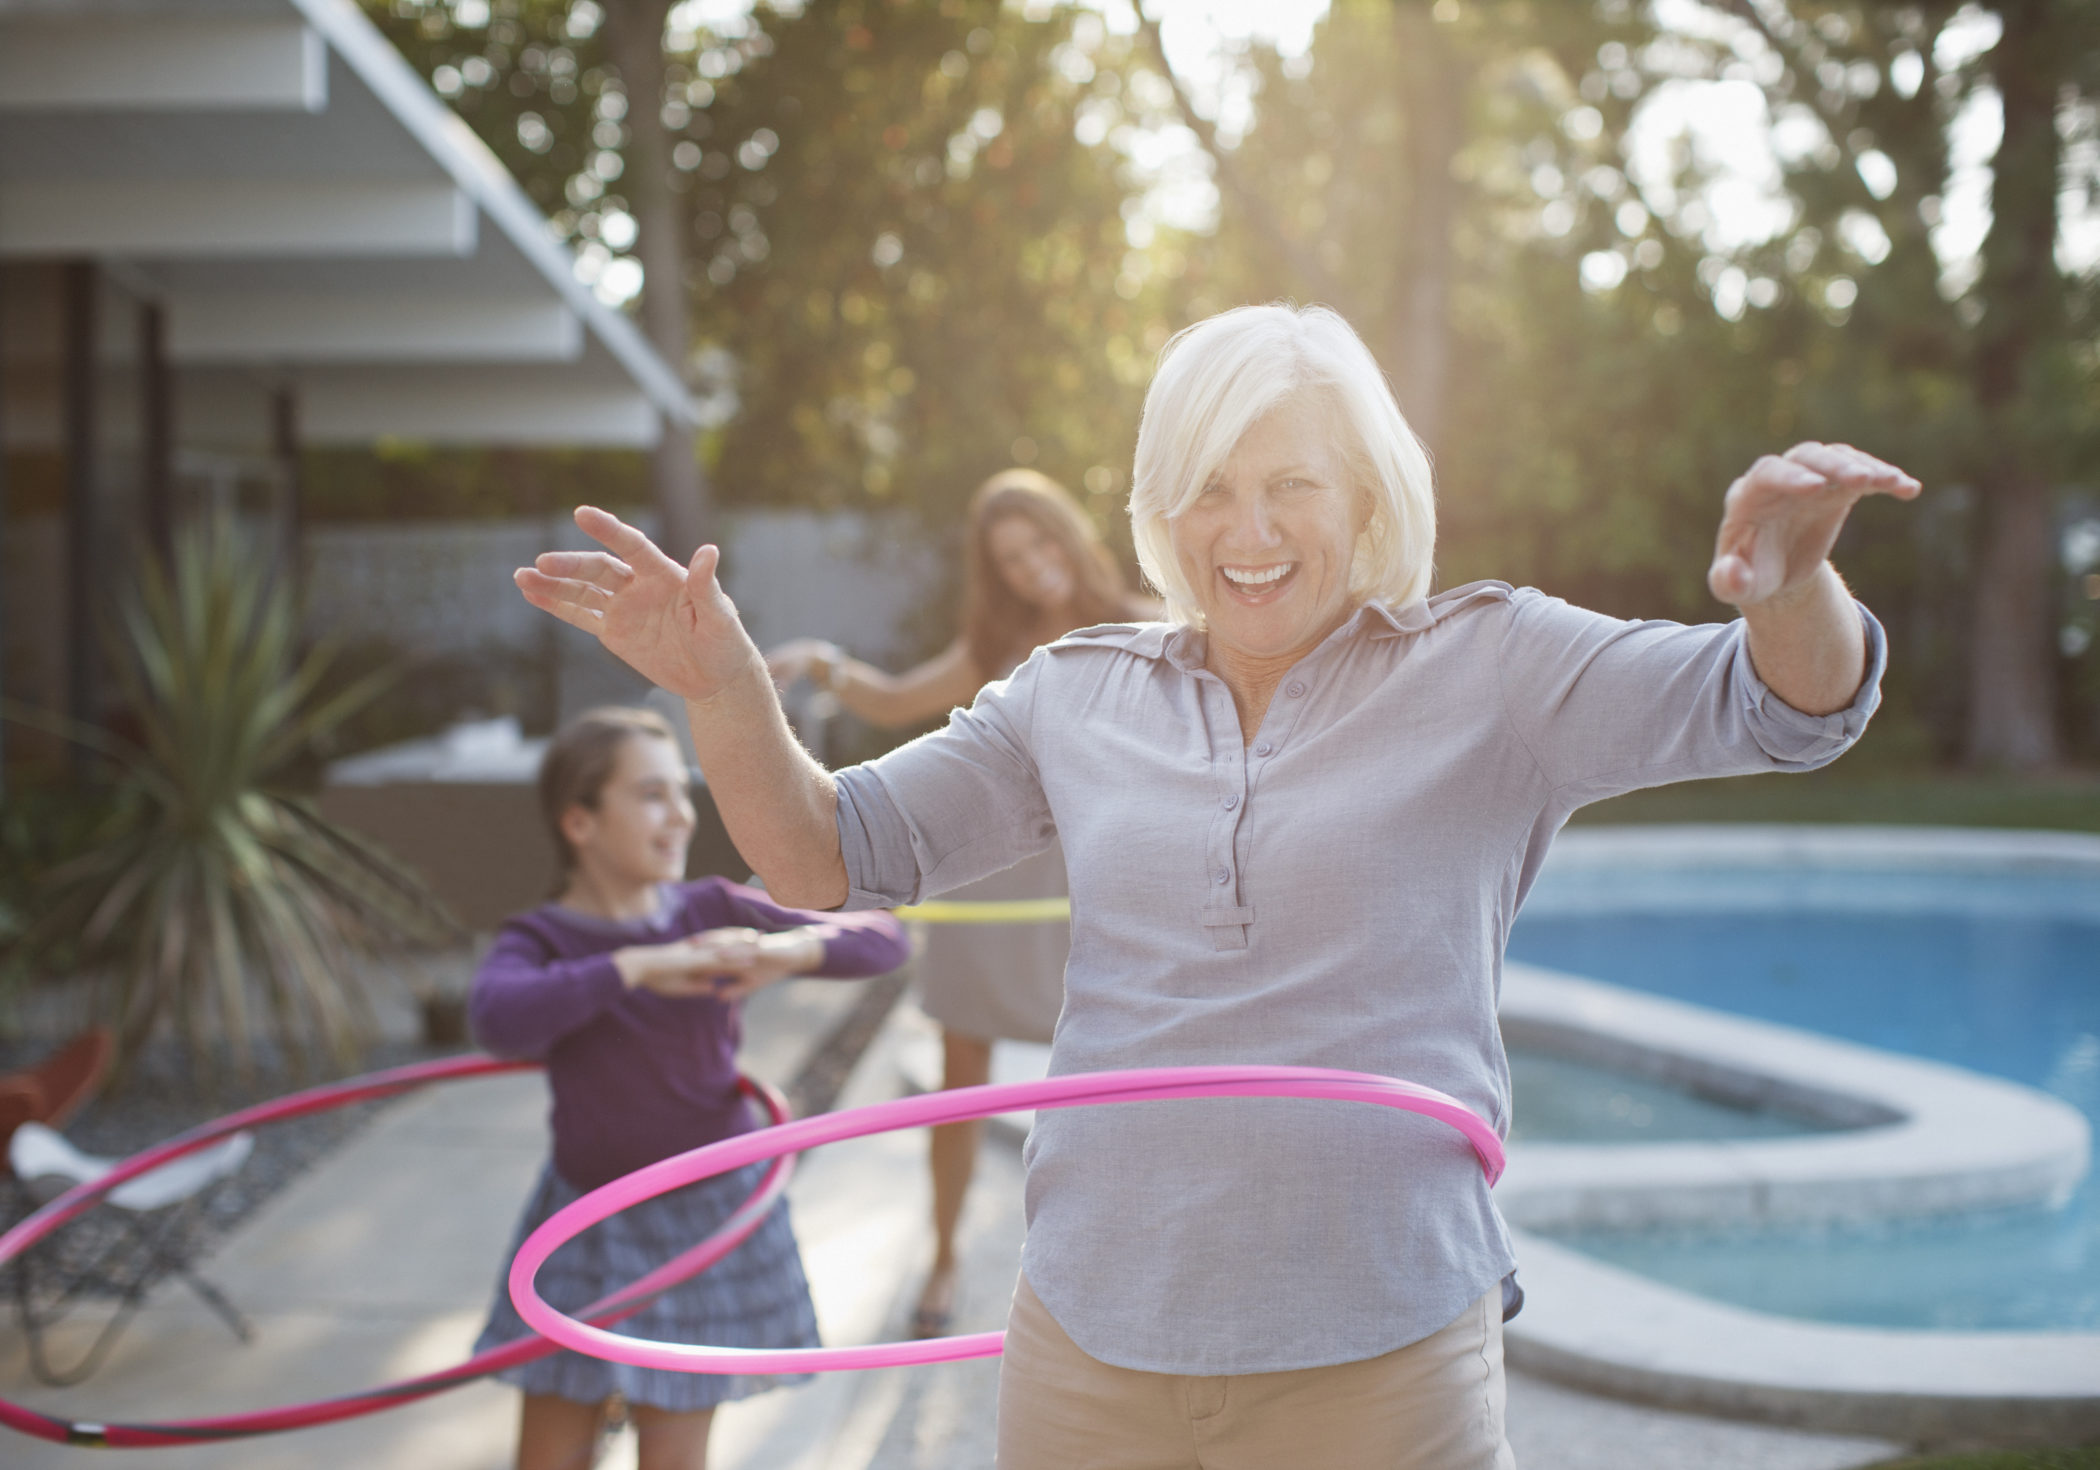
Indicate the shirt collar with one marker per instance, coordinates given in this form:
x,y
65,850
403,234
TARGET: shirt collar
x,y
1183,646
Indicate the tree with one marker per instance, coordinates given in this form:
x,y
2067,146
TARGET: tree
x,y
634,35
579,103
1584,423
1611,360
906,223
921,267
1992,348
1360,201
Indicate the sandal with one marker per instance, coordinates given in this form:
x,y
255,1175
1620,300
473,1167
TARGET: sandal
x,y
931,1322
935,1312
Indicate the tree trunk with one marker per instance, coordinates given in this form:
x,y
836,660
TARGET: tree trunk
x,y
2012,685
1418,328
634,34
2012,688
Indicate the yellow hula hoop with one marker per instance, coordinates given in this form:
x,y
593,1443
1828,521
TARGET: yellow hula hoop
x,y
989,911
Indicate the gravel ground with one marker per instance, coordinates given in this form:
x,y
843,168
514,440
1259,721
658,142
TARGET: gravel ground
x,y
159,1100
162,1098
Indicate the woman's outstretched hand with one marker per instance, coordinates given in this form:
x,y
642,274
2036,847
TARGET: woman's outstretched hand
x,y
673,624
1783,516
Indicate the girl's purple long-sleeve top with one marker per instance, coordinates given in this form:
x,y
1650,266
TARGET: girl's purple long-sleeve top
x,y
636,1076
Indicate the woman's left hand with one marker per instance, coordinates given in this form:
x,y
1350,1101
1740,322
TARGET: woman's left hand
x,y
1781,518
743,961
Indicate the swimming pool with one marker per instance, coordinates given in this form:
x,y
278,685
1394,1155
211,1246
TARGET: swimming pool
x,y
1557,1099
1990,965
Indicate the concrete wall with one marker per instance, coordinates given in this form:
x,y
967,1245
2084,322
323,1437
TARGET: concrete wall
x,y
481,846
446,585
444,588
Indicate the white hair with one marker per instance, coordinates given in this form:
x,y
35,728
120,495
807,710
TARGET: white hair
x,y
1217,378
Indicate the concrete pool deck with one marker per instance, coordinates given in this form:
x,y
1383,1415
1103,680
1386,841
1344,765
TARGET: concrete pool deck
x,y
379,1262
1597,1327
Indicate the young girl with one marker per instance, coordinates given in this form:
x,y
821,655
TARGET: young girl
x,y
627,986
1035,570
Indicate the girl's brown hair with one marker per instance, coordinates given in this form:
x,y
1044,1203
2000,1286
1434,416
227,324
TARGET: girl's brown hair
x,y
580,760
998,627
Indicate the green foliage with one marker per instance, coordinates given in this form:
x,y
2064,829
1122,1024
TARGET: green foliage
x,y
1852,791
398,481
45,822
931,278
1587,434
910,265
532,81
914,269
1910,370
1590,427
211,895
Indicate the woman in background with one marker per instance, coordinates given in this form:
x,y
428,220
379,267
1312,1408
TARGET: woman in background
x,y
1035,569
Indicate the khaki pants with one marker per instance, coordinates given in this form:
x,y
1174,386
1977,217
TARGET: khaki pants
x,y
1433,1405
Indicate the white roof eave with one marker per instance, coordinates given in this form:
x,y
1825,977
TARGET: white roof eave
x,y
482,177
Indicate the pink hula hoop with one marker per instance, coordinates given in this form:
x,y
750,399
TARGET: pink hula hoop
x,y
1087,1089
613,1308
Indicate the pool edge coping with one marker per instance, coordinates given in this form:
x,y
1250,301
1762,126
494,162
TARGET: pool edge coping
x,y
1603,1328
1925,1137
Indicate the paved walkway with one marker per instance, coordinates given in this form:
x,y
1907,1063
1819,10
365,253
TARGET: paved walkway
x,y
378,1264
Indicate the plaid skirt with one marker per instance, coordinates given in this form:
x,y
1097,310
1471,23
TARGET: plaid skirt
x,y
756,1297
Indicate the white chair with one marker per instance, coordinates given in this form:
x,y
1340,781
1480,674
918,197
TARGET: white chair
x,y
153,1242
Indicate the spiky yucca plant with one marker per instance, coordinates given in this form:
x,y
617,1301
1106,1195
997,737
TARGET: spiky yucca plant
x,y
216,896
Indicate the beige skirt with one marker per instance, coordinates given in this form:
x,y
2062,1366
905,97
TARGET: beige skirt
x,y
999,981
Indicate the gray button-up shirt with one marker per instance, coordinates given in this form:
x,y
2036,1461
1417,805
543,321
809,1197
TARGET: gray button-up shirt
x,y
1335,892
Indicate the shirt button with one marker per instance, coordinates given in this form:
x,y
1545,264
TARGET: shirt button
x,y
1232,801
1295,689
1224,875
1263,749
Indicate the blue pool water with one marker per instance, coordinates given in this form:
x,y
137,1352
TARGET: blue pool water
x,y
1992,971
1557,1099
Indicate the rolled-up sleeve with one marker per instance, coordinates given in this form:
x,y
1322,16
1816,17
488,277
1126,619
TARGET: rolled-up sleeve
x,y
950,807
1606,706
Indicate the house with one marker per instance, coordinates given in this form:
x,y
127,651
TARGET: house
x,y
230,229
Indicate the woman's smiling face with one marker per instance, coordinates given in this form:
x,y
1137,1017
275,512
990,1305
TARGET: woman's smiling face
x,y
1266,547
1034,567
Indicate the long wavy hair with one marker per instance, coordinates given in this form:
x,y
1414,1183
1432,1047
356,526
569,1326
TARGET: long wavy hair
x,y
999,628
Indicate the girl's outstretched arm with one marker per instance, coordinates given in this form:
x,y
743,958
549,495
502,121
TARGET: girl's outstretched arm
x,y
950,678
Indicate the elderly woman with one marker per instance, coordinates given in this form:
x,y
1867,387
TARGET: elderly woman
x,y
1298,818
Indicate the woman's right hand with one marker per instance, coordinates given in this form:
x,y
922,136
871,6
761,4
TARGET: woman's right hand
x,y
803,658
674,625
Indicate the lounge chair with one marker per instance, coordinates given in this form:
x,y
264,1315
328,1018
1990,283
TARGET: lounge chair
x,y
156,1211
